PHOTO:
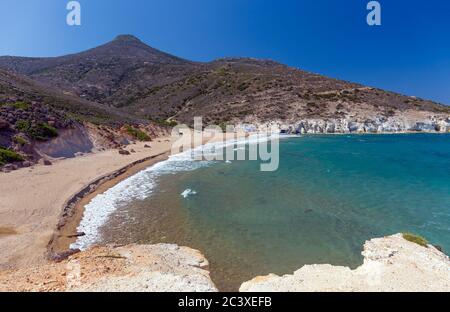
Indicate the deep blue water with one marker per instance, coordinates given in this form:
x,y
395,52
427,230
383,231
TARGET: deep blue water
x,y
329,195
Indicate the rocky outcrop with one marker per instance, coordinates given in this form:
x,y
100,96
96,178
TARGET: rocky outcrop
x,y
123,152
439,124
390,264
69,143
142,268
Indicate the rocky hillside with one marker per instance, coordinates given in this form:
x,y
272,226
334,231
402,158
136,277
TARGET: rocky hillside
x,y
129,75
32,113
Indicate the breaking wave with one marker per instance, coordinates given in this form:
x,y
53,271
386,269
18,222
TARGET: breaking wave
x,y
142,184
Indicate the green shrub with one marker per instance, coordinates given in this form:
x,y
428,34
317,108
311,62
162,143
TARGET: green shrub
x,y
7,156
21,105
23,125
40,132
49,130
20,140
415,239
138,134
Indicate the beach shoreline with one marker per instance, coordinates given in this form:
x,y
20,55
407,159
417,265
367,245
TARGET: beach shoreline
x,y
66,233
41,207
29,221
32,199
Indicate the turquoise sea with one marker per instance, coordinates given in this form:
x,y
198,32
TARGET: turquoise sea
x,y
330,194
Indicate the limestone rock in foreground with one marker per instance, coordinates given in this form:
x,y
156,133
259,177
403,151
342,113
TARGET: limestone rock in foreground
x,y
137,268
390,264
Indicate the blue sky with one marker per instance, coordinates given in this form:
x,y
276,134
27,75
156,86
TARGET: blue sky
x,y
409,53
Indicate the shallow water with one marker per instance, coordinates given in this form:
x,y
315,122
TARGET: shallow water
x,y
330,194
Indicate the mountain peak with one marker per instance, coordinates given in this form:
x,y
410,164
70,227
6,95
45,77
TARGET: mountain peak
x,y
128,38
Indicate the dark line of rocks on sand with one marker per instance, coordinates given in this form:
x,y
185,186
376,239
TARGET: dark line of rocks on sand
x,y
66,233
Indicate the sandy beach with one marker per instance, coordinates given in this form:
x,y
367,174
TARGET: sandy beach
x,y
32,199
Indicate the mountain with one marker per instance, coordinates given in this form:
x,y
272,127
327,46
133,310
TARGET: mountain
x,y
127,75
122,48
110,73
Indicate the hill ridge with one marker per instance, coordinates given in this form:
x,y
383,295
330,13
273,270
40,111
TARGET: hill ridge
x,y
133,77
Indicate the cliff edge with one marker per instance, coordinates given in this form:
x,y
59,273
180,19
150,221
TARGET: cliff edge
x,y
133,268
390,264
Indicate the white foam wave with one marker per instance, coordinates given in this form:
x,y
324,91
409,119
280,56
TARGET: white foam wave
x,y
187,192
141,186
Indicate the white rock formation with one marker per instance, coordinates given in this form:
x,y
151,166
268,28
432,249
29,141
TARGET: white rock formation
x,y
156,268
390,264
133,268
376,124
